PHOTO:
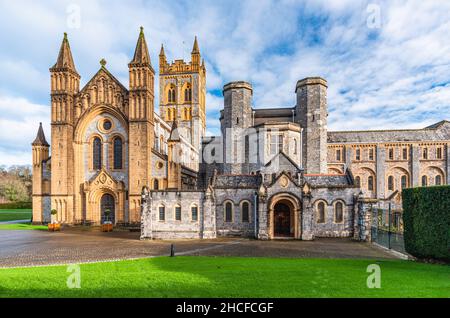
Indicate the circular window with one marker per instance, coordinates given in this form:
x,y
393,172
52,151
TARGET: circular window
x,y
159,165
107,124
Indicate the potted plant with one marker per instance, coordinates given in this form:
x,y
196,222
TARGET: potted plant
x,y
54,225
107,225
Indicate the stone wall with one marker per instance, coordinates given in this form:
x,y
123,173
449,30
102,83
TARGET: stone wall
x,y
170,228
330,196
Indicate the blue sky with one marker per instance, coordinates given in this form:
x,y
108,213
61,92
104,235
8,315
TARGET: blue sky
x,y
387,62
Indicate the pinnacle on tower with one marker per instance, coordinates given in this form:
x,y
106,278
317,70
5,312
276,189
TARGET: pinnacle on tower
x,y
65,59
40,138
162,53
195,49
141,55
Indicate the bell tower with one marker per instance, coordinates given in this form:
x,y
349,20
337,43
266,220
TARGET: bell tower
x,y
65,84
141,125
183,94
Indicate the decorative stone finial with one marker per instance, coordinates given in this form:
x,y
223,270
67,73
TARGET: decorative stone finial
x,y
142,30
103,62
65,35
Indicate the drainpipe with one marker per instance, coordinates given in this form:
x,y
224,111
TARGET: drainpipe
x,y
255,213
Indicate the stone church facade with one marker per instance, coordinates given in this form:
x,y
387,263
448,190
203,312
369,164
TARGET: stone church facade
x,y
272,173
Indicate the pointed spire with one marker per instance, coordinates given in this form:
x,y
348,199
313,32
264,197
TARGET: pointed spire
x,y
162,53
141,55
40,138
65,59
195,49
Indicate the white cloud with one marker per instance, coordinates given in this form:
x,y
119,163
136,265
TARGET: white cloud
x,y
393,77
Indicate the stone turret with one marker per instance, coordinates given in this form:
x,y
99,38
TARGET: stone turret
x,y
40,150
236,118
311,114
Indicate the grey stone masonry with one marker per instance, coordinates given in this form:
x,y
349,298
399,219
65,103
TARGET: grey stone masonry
x,y
448,164
167,226
237,116
381,158
312,115
363,220
415,165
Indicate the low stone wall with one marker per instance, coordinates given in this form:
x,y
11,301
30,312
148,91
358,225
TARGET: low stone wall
x,y
170,228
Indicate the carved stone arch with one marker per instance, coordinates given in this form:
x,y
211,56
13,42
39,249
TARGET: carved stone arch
x,y
87,118
293,203
334,170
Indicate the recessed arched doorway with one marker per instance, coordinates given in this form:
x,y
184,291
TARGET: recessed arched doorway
x,y
282,220
284,217
107,205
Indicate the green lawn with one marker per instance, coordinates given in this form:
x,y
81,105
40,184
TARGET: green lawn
x,y
14,214
230,277
23,226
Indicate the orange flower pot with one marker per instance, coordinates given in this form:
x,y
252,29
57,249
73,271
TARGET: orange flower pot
x,y
107,227
51,227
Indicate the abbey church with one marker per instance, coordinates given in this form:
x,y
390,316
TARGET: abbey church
x,y
273,172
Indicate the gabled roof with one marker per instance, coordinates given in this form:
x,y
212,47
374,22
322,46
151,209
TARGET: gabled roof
x,y
103,70
282,156
40,138
438,124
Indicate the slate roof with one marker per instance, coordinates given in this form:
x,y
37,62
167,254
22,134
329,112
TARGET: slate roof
x,y
237,181
327,180
40,138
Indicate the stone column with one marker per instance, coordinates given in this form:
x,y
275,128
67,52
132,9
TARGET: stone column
x,y
363,220
307,220
415,165
263,230
448,163
348,156
381,161
146,215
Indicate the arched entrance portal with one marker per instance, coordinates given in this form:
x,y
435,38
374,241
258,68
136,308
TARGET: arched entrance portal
x,y
107,205
284,217
282,220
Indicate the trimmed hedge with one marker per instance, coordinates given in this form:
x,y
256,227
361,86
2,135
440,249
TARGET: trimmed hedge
x,y
426,219
16,205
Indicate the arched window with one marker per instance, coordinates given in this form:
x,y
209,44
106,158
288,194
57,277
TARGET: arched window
x,y
194,213
228,212
156,184
97,153
171,95
118,153
425,153
321,212
370,183
358,181
178,213
162,213
404,181
245,212
424,181
438,180
188,94
338,212
295,146
391,183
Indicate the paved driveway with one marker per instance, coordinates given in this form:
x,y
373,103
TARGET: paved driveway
x,y
29,248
